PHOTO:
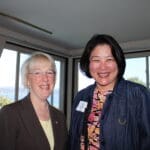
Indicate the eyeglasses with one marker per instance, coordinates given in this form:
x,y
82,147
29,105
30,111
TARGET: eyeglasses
x,y
49,73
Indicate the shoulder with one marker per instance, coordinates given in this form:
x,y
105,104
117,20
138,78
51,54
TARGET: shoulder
x,y
131,85
84,95
9,113
136,90
86,91
12,108
136,86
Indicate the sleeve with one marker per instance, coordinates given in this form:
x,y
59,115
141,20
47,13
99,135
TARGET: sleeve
x,y
7,129
75,124
145,120
71,136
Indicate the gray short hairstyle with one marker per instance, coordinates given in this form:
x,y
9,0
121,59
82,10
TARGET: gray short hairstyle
x,y
30,61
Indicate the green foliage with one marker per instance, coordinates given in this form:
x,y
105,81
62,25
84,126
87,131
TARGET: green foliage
x,y
137,80
4,101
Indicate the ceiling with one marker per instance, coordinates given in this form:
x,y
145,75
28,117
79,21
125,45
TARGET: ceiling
x,y
73,22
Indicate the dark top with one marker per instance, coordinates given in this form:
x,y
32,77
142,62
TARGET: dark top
x,y
125,119
20,128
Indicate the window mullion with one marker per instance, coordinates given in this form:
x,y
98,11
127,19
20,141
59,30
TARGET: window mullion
x,y
17,76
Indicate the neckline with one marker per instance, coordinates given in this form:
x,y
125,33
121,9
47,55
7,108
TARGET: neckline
x,y
45,120
103,92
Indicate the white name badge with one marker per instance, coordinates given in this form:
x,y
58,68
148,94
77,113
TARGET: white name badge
x,y
81,106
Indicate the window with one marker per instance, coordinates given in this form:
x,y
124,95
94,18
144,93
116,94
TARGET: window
x,y
55,97
22,90
7,79
83,81
136,70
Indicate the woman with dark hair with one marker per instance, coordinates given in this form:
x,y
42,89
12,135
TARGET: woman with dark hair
x,y
113,113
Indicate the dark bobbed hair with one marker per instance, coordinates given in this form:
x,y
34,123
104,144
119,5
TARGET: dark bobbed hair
x,y
100,39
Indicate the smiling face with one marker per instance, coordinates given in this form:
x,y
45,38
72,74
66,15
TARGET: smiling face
x,y
103,67
41,79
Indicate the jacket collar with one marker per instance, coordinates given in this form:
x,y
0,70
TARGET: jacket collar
x,y
32,123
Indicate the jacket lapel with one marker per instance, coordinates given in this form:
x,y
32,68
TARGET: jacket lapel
x,y
55,126
33,125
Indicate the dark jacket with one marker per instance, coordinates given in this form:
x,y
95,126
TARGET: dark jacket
x,y
125,119
20,128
